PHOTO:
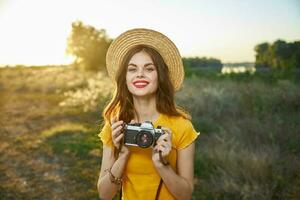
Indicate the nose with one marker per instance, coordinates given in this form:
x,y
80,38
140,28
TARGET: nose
x,y
140,72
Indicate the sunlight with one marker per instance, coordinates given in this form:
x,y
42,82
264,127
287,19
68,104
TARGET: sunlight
x,y
35,32
33,37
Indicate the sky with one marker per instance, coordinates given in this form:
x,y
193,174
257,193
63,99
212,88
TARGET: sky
x,y
34,32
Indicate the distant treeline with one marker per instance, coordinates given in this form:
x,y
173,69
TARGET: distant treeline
x,y
238,64
193,62
89,45
279,55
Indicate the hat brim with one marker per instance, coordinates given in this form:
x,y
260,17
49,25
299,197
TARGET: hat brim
x,y
140,36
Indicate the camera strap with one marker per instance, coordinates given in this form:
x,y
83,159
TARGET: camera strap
x,y
157,192
158,189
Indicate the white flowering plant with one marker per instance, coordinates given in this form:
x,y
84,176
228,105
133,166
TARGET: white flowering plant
x,y
97,90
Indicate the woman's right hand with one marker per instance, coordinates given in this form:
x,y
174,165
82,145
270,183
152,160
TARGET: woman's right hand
x,y
118,135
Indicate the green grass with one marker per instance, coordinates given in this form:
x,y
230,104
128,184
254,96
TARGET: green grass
x,y
79,150
77,144
249,142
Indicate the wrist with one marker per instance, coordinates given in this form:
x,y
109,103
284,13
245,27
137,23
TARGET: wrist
x,y
159,165
162,159
159,160
114,179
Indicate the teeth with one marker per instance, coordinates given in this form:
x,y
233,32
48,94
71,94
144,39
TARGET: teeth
x,y
140,84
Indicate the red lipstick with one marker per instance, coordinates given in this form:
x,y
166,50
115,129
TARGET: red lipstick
x,y
140,83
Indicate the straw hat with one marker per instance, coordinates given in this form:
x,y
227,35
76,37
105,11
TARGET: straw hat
x,y
140,36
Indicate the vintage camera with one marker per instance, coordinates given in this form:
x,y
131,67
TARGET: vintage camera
x,y
141,134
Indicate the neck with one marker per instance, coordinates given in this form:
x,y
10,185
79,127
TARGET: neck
x,y
146,109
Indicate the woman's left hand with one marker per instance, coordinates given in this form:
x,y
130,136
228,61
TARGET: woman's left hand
x,y
163,144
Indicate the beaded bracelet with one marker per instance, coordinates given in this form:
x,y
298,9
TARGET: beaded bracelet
x,y
114,179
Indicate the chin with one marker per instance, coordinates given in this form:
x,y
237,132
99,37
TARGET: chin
x,y
144,94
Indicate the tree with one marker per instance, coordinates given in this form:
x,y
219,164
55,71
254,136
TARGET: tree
x,y
295,47
89,45
279,55
262,56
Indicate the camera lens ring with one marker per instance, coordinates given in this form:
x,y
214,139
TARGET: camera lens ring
x,y
144,139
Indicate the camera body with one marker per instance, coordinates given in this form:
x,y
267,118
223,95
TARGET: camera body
x,y
141,134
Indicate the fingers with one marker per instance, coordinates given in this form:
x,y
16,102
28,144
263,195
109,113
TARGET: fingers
x,y
164,149
116,132
164,142
165,137
117,128
167,131
119,138
163,146
116,124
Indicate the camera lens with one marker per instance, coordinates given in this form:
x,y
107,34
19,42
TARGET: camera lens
x,y
144,139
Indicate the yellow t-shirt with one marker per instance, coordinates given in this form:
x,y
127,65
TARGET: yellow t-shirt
x,y
140,177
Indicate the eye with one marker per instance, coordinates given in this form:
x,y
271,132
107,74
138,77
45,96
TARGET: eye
x,y
131,69
150,69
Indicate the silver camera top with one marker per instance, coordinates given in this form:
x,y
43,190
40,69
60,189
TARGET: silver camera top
x,y
147,125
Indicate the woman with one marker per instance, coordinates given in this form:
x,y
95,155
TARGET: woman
x,y
147,69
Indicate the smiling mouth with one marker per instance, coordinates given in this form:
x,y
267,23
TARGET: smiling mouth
x,y
140,84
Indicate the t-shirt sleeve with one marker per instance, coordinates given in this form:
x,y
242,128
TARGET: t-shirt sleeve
x,y
187,136
105,135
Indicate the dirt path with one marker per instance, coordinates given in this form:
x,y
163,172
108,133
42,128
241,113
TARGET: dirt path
x,y
28,168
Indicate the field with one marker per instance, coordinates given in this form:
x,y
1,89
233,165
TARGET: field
x,y
249,147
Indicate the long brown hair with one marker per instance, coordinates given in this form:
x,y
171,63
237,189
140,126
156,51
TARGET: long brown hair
x,y
122,102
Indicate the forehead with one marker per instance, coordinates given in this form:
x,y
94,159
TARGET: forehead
x,y
141,56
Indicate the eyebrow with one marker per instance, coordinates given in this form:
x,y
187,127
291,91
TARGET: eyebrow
x,y
147,64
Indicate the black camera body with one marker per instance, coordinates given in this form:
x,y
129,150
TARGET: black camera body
x,y
141,134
